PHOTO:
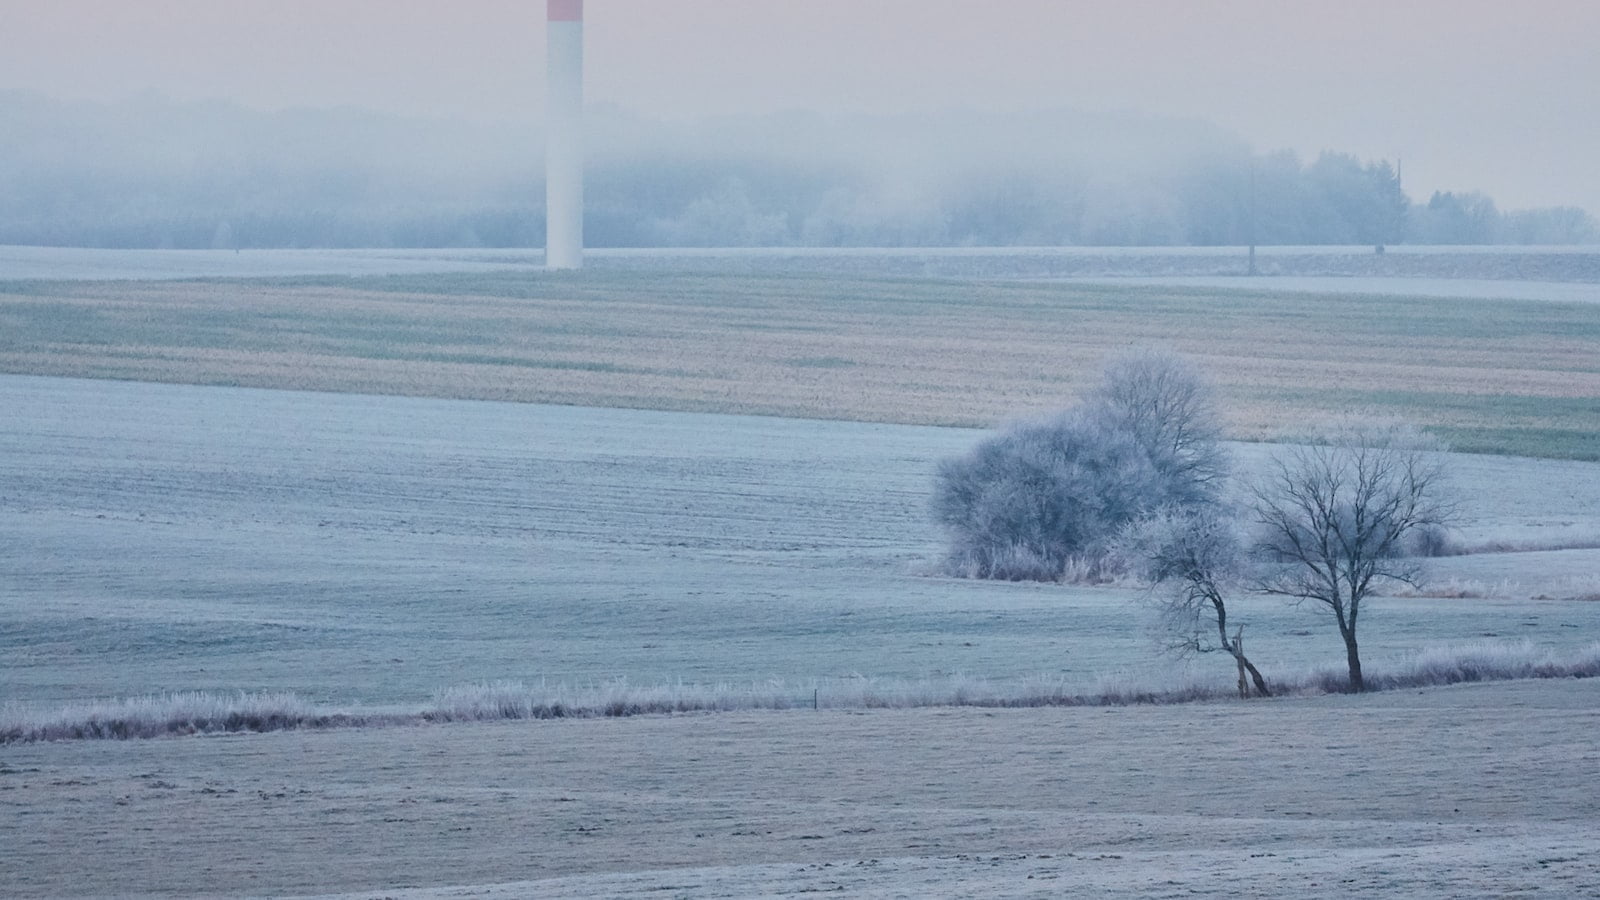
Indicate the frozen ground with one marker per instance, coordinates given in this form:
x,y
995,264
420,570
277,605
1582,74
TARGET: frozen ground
x,y
1463,288
374,549
1482,790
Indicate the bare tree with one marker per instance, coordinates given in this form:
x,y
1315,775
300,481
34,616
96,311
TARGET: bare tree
x,y
1336,517
1192,557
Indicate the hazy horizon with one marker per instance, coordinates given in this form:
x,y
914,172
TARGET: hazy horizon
x,y
152,172
1469,95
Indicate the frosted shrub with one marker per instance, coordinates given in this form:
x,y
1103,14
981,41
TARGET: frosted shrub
x,y
1166,408
1430,540
1038,498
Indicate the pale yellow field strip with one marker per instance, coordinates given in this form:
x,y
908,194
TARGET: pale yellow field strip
x,y
895,351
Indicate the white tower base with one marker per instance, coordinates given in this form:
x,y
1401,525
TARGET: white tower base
x,y
563,190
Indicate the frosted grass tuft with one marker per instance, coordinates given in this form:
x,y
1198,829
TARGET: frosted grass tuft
x,y
190,712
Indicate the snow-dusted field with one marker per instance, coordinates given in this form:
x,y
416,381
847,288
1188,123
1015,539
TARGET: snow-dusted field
x,y
1472,791
370,550
358,549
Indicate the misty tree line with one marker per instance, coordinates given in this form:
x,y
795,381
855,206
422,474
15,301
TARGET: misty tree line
x,y
153,173
1334,200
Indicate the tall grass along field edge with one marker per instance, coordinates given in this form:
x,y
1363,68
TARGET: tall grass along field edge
x,y
216,713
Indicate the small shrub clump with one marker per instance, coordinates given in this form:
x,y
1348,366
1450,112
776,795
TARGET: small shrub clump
x,y
1044,499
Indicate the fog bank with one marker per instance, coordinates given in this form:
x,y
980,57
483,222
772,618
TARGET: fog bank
x,y
149,172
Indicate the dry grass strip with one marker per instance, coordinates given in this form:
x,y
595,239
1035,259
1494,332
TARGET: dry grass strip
x,y
1504,376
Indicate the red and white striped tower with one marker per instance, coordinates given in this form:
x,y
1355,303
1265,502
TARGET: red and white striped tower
x,y
563,159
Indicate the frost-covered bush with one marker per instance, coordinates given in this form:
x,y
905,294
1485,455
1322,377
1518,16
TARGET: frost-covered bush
x,y
1431,540
1039,497
1166,408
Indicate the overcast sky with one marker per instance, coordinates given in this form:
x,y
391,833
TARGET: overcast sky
x,y
1487,94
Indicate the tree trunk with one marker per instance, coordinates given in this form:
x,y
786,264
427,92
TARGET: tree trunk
x,y
1237,649
1261,683
1353,658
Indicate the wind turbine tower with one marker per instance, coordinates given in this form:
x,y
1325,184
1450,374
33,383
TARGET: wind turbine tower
x,y
563,155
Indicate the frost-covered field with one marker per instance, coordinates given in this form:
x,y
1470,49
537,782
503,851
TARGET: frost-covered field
x,y
373,550
372,553
1472,791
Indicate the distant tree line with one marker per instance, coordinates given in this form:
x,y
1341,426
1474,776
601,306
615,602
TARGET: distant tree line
x,y
199,176
1334,200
